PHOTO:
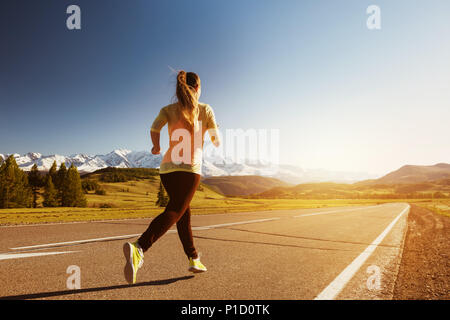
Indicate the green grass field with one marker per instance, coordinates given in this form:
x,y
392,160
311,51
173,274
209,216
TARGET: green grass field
x,y
198,205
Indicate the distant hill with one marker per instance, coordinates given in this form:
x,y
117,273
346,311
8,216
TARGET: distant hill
x,y
112,174
436,189
243,185
225,185
407,182
133,187
413,174
308,190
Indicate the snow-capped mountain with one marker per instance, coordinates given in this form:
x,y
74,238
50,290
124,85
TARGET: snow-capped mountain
x,y
213,165
120,158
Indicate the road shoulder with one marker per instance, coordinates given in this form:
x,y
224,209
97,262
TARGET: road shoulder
x,y
424,271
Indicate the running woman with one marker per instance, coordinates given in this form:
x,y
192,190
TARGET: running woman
x,y
180,171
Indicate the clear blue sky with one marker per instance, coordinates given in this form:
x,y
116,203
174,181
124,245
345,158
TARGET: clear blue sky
x,y
344,97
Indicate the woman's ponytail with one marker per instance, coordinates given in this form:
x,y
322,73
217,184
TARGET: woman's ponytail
x,y
186,91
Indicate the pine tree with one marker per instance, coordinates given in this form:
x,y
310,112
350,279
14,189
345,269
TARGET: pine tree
x,y
5,185
35,181
50,194
52,172
14,188
60,182
162,198
74,195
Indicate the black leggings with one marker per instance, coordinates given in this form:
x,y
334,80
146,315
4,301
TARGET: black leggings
x,y
180,187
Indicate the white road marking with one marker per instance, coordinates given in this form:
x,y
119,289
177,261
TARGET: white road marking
x,y
233,224
143,218
56,244
41,224
336,286
334,211
6,256
72,222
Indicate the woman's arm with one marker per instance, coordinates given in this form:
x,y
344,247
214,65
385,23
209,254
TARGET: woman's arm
x,y
155,140
158,123
212,126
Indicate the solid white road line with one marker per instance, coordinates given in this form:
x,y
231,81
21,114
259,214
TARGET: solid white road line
x,y
336,286
7,256
56,244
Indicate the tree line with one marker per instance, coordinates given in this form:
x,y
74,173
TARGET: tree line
x,y
62,187
112,174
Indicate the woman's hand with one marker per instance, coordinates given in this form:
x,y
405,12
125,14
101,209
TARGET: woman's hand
x,y
156,150
214,135
155,141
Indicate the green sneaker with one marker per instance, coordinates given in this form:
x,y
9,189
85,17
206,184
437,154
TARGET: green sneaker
x,y
134,256
196,266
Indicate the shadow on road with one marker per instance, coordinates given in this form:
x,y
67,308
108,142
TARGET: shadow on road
x,y
311,238
78,291
275,244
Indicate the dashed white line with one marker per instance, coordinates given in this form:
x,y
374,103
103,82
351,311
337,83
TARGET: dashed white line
x,y
56,244
334,211
233,224
71,222
6,256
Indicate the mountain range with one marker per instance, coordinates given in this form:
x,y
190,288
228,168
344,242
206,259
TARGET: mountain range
x,y
407,181
212,166
412,174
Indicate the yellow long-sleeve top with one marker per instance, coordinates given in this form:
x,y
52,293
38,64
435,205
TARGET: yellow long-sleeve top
x,y
185,151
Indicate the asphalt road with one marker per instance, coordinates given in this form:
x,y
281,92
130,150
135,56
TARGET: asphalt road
x,y
328,253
